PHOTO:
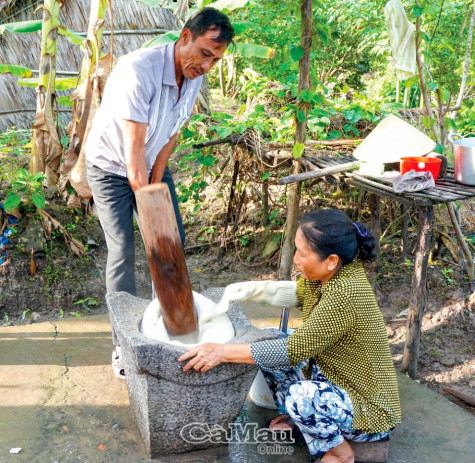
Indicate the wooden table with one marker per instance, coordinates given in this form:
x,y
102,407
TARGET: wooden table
x,y
446,190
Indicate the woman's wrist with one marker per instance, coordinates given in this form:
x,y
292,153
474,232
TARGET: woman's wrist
x,y
237,353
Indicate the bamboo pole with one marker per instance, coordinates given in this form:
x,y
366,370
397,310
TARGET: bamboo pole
x,y
319,173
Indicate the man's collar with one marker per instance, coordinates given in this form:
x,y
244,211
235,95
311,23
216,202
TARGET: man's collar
x,y
169,75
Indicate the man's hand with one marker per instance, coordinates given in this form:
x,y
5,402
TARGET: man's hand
x,y
134,146
203,357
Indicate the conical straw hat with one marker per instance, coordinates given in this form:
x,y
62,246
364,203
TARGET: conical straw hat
x,y
392,139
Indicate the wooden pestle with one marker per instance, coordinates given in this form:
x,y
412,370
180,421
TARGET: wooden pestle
x,y
165,258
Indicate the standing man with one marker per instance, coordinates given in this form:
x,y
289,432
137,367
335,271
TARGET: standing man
x,y
147,98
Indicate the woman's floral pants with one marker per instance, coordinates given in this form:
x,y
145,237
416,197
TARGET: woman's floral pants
x,y
322,411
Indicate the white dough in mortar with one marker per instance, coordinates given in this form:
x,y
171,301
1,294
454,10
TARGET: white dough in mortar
x,y
212,326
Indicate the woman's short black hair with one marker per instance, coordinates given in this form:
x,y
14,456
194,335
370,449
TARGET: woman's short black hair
x,y
211,19
329,231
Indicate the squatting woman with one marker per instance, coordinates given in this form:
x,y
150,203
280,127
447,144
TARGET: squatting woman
x,y
333,377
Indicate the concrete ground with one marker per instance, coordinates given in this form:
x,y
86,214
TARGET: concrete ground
x,y
60,402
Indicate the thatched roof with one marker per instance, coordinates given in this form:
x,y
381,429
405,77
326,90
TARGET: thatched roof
x,y
17,104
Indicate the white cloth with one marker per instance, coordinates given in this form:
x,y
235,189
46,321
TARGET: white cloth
x,y
402,39
270,292
413,181
212,326
141,88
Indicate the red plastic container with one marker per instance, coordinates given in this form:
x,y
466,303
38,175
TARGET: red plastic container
x,y
421,164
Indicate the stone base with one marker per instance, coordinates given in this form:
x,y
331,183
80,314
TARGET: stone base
x,y
166,401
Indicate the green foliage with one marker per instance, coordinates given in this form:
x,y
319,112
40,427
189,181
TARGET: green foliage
x,y
298,150
246,50
27,188
14,141
14,70
66,83
87,304
26,315
274,120
447,276
168,37
21,27
349,39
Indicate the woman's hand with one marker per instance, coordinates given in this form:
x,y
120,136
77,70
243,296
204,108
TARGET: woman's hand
x,y
203,357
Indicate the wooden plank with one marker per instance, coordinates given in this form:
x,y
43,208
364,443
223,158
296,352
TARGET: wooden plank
x,y
440,194
455,187
378,191
370,452
433,194
455,191
421,199
436,195
417,299
462,393
165,258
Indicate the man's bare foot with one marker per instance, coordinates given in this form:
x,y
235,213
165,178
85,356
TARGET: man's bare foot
x,y
281,423
342,453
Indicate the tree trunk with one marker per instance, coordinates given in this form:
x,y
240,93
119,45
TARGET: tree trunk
x,y
463,84
422,79
293,192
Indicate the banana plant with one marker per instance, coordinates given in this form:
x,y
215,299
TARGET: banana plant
x,y
46,146
86,101
25,74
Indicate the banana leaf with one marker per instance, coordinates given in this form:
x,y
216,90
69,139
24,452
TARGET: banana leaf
x,y
22,26
60,84
35,26
152,3
168,37
249,50
15,70
229,5
72,36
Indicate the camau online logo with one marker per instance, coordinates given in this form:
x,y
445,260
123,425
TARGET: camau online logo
x,y
249,433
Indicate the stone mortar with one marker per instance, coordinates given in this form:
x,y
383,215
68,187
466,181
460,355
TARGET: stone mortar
x,y
163,397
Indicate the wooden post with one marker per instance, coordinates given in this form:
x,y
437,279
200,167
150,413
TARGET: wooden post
x,y
405,232
417,299
375,228
165,258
